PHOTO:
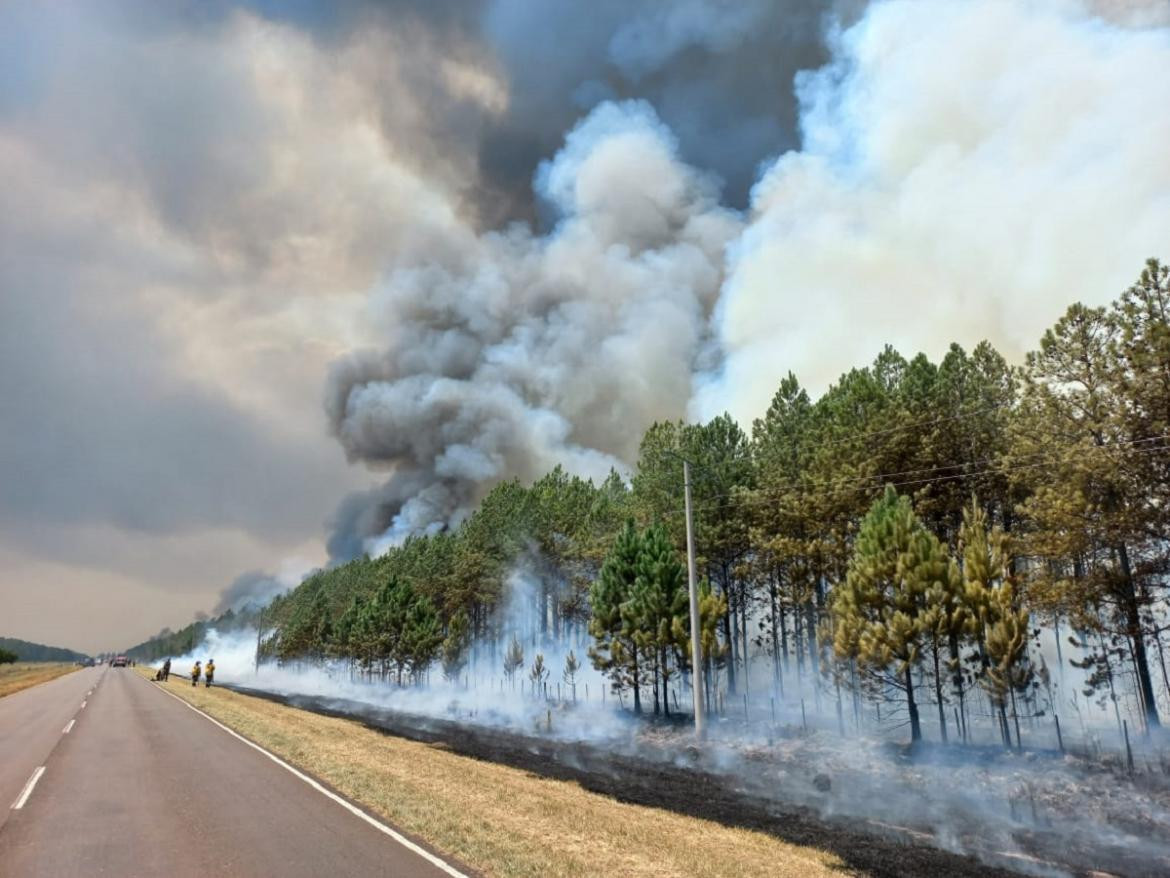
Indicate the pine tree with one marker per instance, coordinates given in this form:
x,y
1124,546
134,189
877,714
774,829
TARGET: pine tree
x,y
712,611
422,637
454,648
615,650
658,600
1097,508
1000,624
878,611
569,674
513,660
538,673
944,615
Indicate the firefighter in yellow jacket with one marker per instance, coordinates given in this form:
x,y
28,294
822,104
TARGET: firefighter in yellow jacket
x,y
195,672
209,673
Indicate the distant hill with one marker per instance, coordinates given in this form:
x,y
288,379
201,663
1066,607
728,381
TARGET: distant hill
x,y
38,652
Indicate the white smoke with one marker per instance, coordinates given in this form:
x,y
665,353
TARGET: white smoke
x,y
968,169
510,352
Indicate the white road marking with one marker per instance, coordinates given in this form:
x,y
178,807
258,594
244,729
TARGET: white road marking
x,y
90,692
28,788
83,704
68,728
353,809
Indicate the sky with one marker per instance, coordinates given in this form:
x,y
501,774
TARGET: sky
x,y
281,283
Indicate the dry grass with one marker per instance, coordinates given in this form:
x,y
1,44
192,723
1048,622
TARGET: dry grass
x,y
501,820
21,675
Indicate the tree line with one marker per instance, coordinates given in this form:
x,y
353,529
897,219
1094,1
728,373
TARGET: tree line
x,y
26,651
902,538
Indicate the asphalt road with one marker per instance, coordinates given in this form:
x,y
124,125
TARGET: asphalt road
x,y
143,785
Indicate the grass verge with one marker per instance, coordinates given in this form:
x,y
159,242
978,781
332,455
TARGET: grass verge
x,y
22,675
497,819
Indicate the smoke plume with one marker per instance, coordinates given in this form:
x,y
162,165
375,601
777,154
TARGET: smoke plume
x,y
510,352
256,588
965,170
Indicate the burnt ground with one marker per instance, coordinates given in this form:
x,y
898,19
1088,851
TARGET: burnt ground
x,y
866,847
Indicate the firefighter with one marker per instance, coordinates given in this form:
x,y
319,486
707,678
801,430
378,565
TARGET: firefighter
x,y
195,672
209,673
166,670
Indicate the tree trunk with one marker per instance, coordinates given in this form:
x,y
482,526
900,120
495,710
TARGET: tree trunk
x,y
957,682
729,638
783,637
912,709
658,678
810,616
1109,680
798,646
942,714
544,610
637,682
1134,624
777,670
1005,734
1162,662
1016,720
1059,654
665,694
707,684
747,675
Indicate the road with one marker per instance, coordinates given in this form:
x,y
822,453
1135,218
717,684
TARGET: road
x,y
141,784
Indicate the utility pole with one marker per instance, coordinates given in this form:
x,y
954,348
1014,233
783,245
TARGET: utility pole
x,y
696,634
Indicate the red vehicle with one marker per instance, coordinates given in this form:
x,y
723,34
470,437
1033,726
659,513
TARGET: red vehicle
x,y
119,661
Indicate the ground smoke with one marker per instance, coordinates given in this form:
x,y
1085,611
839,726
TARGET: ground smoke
x,y
1037,811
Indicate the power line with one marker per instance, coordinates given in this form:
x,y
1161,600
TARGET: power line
x,y
857,437
865,483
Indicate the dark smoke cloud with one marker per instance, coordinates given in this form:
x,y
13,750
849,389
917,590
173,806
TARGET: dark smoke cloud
x,y
719,73
249,591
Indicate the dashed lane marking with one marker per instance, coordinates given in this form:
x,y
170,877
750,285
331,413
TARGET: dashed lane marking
x,y
28,788
68,728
